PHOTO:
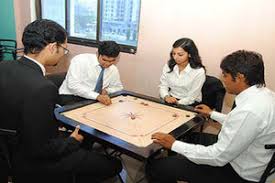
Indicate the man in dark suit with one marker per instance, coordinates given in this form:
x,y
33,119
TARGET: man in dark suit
x,y
27,106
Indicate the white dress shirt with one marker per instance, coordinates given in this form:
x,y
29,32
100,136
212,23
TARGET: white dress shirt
x,y
245,131
82,77
185,86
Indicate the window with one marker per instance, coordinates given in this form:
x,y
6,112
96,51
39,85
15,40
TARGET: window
x,y
91,21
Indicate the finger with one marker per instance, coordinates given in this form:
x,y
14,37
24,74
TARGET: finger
x,y
156,134
199,109
200,106
153,135
108,102
157,141
76,130
170,101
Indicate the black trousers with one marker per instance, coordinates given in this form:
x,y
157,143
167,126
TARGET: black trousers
x,y
97,167
173,168
83,166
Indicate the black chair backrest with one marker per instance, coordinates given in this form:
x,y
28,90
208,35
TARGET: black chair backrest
x,y
8,47
57,78
213,93
270,169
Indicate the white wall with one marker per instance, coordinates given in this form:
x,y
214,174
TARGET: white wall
x,y
218,27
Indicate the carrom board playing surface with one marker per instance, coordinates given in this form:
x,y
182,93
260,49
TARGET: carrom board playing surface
x,y
131,119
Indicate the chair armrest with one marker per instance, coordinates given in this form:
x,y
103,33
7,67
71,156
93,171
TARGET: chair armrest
x,y
7,132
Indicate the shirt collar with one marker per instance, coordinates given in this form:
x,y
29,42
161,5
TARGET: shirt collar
x,y
241,97
38,63
187,69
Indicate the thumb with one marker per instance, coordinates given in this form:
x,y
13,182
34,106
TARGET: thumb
x,y
76,129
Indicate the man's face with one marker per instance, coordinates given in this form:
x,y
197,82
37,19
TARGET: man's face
x,y
230,85
57,51
106,61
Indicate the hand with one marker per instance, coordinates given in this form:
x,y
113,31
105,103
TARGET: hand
x,y
104,92
163,139
104,99
203,109
76,135
170,100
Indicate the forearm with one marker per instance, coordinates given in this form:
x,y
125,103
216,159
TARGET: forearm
x,y
76,88
200,154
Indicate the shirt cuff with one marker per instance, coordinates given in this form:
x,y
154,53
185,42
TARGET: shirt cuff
x,y
182,102
163,94
178,147
94,95
213,114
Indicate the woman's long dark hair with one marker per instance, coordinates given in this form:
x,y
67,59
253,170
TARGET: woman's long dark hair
x,y
189,46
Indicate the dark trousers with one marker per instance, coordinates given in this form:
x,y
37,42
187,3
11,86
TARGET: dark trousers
x,y
173,168
97,167
83,166
4,170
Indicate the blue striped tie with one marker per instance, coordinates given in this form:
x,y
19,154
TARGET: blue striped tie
x,y
99,83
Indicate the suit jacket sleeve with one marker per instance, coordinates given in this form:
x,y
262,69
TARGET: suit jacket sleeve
x,y
41,128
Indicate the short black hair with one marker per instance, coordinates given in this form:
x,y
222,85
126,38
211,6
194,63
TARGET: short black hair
x,y
248,63
108,48
40,33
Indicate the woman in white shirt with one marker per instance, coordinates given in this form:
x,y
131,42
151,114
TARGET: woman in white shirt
x,y
183,76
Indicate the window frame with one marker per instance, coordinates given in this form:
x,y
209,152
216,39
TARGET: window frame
x,y
90,42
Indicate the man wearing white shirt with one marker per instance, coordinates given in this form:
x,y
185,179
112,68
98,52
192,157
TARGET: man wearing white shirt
x,y
239,154
84,72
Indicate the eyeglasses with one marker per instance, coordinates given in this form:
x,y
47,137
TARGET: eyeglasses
x,y
66,51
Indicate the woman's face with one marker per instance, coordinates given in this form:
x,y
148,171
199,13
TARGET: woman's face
x,y
180,56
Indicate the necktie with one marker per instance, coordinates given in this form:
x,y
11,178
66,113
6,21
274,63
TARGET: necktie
x,y
99,83
234,105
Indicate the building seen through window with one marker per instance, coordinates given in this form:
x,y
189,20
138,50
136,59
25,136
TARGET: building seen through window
x,y
91,21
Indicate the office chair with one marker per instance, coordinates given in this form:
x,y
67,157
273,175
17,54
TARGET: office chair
x,y
213,93
8,48
270,169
